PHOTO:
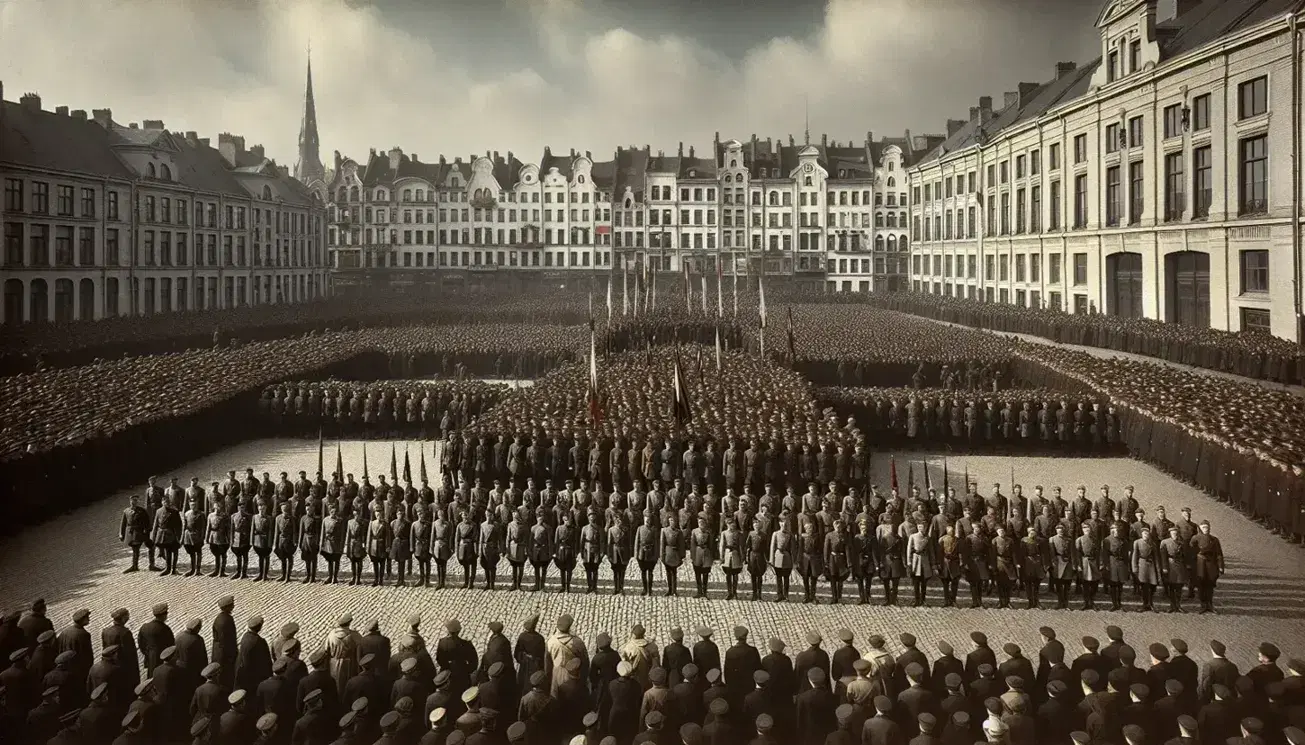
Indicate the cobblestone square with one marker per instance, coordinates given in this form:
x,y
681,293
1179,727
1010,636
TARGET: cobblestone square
x,y
77,562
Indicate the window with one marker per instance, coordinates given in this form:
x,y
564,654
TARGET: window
x,y
1035,268
1135,55
1020,222
13,195
1053,269
1175,202
1255,321
1173,119
1135,132
1053,157
1202,182
1253,98
13,244
1080,201
1021,274
1005,213
1035,209
1080,149
88,203
1112,67
65,205
1114,197
40,198
1053,207
1136,197
1080,269
1112,138
1255,271
1254,178
1201,113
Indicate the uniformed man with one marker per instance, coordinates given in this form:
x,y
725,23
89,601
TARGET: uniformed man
x,y
332,541
1173,568
541,548
757,543
565,541
242,524
1033,566
1146,566
443,538
591,549
133,530
309,541
167,533
1116,566
153,637
262,538
920,563
490,548
890,551
1208,564
783,547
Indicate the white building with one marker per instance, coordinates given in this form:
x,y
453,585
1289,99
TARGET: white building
x,y
831,214
1156,180
103,220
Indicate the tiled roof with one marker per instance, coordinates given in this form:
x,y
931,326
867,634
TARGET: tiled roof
x,y
136,136
604,173
1213,19
698,167
631,166
664,163
202,167
44,139
561,162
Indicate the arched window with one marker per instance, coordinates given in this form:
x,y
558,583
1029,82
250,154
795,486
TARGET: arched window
x,y
890,180
892,242
902,244
580,179
453,181
892,219
13,301
353,194
773,199
267,193
39,302
734,162
729,179
879,243
166,172
879,219
153,173
891,164
407,195
342,195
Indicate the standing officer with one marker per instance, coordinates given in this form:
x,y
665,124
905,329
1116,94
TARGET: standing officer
x,y
193,523
261,538
1116,566
670,548
443,535
617,543
490,548
1173,569
118,635
1146,566
1208,565
541,548
950,564
167,534
1060,566
701,555
309,541
591,550
285,539
1006,566
242,524
646,551
1087,565
399,542
355,545
757,555
783,545
134,529
154,636
378,546
564,550
517,546
421,541
332,542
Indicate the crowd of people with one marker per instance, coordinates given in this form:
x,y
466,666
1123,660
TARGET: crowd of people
x,y
1253,355
555,506
1009,419
377,409
360,686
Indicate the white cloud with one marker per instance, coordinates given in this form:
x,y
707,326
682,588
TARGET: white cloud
x,y
882,65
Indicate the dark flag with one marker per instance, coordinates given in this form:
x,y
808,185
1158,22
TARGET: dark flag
x,y
910,475
407,466
928,484
595,408
792,346
339,463
680,409
394,464
321,459
423,465
364,459
892,472
947,483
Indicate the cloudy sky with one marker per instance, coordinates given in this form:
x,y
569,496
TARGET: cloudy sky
x,y
464,76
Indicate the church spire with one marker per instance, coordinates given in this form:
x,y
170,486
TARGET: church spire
x,y
309,166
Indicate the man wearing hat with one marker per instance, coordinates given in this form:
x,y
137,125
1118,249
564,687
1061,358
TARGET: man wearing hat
x,y
761,700
319,679
172,693
561,647
68,732
118,635
166,534
910,654
76,639
811,657
225,643
675,656
133,530
72,689
687,695
210,697
653,734
288,631
133,730
285,539
191,658
498,648
155,636
342,646
457,655
237,723
1218,671
98,722
706,654
573,701
641,653
537,705
42,722
253,658
314,724
946,664
470,721
150,718
374,643
276,695
915,699
657,697
43,654
880,729
1267,671
1217,718
622,703
1208,564
741,661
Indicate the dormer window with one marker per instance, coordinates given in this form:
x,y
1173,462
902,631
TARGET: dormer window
x,y
734,162
842,173
151,171
580,179
693,173
729,179
165,172
267,193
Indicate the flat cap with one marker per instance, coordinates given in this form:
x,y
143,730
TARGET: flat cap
x,y
267,722
404,705
713,675
875,640
1048,632
18,654
845,635
443,677
945,648
236,696
883,704
538,677
318,657
51,691
159,609
986,670
1011,649
591,718
690,733
953,680
256,622
366,660
1091,677
496,627
1294,735
45,636
408,665
907,640
1118,679
144,686
373,625
654,719
194,624
1014,682
1173,687
280,665
414,619
456,737
453,626
1091,643
120,614
1179,646
861,665
844,712
814,638
1159,651
290,629
1221,691
719,706
226,601
99,691
761,677
1253,725
927,721
776,644
199,726
390,720
765,723
603,639
1133,733
1057,688
344,620
82,615
313,695
740,632
348,720
913,670
978,637
1141,690
516,732
166,654
1270,651
437,714
1114,633
1217,647
657,675
360,704
1080,737
68,656
471,694
496,669
961,719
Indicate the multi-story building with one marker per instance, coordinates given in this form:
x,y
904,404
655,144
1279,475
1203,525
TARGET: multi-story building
x,y
103,220
831,214
1159,180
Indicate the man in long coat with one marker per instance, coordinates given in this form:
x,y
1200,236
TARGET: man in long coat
x,y
342,644
920,563
1146,566
641,653
562,647
253,658
1173,568
530,653
225,641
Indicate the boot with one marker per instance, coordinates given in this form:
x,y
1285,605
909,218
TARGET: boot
x,y
222,567
153,568
888,593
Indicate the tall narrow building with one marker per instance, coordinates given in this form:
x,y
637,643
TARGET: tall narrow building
x,y
309,166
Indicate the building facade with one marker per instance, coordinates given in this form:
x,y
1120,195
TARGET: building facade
x,y
104,220
830,214
1156,181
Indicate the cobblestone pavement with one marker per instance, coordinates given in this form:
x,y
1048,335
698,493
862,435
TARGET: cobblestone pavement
x,y
1103,353
77,562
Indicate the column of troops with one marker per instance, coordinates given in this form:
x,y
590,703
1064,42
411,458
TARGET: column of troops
x,y
999,545
157,687
1065,423
379,409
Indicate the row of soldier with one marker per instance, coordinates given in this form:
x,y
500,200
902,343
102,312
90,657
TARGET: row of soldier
x,y
157,686
432,406
991,543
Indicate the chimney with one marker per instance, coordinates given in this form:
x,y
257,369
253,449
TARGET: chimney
x,y
770,145
974,113
79,114
790,140
61,110
226,146
257,151
30,101
203,141
395,156
1065,68
509,156
153,124
133,125
572,153
985,103
413,156
824,141
691,149
547,151
1026,92
1012,98
954,126
103,117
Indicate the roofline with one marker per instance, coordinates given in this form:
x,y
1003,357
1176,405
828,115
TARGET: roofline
x,y
1221,47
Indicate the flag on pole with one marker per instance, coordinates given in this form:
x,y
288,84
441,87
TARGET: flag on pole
x,y
339,462
365,474
394,464
720,294
718,365
761,294
704,294
625,292
967,478
928,483
321,465
681,411
947,484
892,472
792,341
736,292
407,466
910,475
424,478
688,288
591,309
595,410
609,299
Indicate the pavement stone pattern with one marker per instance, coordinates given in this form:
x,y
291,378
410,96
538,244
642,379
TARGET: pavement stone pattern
x,y
77,562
